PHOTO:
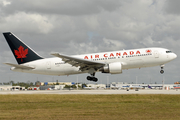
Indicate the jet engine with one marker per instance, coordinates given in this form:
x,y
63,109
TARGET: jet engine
x,y
113,68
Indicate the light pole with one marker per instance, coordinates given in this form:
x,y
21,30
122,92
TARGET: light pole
x,y
77,82
107,80
163,82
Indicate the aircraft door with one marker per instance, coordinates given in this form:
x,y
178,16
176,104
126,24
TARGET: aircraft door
x,y
48,64
156,54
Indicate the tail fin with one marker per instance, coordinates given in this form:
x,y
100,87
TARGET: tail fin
x,y
21,51
149,87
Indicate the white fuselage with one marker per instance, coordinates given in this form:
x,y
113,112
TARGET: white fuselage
x,y
134,58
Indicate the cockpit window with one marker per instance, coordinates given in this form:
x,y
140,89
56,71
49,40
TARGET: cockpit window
x,y
168,51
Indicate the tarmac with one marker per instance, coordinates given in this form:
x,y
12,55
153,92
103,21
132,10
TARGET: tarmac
x,y
103,92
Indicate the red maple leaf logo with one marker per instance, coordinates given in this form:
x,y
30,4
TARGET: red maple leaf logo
x,y
148,51
21,53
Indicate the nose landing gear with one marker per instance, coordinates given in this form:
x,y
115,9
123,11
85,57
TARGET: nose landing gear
x,y
162,71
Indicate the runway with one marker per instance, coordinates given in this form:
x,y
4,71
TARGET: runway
x,y
92,92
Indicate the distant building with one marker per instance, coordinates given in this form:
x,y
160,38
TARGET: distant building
x,y
115,85
17,88
5,87
97,86
52,87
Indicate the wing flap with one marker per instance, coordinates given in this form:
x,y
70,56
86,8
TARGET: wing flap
x,y
69,59
19,66
74,61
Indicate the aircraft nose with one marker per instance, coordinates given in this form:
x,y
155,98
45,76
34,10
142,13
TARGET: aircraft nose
x,y
174,56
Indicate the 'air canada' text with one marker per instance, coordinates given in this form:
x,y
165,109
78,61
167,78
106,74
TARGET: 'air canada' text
x,y
112,54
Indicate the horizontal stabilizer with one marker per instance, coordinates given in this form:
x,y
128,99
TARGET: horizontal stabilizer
x,y
19,66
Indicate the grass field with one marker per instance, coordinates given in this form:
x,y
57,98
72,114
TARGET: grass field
x,y
90,107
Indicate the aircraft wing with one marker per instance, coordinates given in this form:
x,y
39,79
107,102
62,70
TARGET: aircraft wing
x,y
19,66
84,64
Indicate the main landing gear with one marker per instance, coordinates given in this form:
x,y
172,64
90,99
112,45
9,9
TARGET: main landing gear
x,y
162,71
92,78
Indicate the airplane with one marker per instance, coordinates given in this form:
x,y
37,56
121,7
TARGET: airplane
x,y
106,62
125,87
132,87
87,87
114,86
136,87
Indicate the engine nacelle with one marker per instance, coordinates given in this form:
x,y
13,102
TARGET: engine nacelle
x,y
113,68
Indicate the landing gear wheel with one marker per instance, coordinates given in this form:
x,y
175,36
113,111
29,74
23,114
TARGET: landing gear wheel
x,y
162,71
92,78
89,78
